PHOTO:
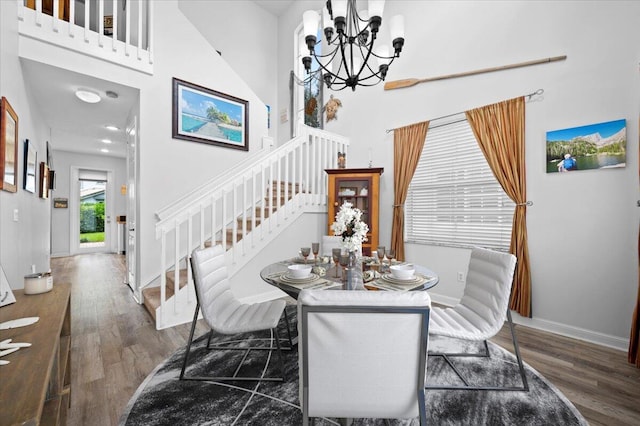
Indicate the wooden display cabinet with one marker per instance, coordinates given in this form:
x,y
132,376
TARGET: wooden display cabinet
x,y
360,187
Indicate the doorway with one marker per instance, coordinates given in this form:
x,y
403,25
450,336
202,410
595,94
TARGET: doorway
x,y
91,211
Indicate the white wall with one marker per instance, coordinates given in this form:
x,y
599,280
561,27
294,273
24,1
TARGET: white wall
x,y
583,227
60,218
25,242
249,46
169,168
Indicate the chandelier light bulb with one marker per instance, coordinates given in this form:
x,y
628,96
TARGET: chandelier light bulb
x,y
310,20
376,7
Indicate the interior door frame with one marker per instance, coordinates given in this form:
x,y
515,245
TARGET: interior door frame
x,y
74,214
132,208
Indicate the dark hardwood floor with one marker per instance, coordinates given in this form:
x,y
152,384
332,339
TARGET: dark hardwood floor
x,y
115,346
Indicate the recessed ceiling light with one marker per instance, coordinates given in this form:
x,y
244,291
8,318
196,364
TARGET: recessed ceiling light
x,y
112,127
88,96
104,150
106,140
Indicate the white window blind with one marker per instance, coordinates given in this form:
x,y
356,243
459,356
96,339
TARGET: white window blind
x,y
453,198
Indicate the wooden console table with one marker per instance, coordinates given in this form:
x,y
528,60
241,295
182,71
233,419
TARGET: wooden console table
x,y
35,387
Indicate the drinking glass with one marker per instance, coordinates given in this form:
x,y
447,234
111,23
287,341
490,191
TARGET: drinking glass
x,y
344,262
315,248
335,253
391,255
380,252
304,251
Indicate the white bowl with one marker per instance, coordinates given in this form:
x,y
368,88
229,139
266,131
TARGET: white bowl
x,y
403,272
299,271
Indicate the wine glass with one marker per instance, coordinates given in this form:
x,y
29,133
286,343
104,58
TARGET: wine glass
x,y
344,262
391,255
380,252
315,248
335,253
304,251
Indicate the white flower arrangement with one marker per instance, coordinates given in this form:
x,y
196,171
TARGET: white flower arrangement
x,y
350,227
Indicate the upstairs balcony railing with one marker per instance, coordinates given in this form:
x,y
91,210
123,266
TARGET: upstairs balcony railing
x,y
119,31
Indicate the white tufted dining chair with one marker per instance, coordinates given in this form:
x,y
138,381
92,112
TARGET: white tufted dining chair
x,y
363,354
481,312
226,315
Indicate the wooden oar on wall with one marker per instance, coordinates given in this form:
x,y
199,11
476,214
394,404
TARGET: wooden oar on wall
x,y
398,84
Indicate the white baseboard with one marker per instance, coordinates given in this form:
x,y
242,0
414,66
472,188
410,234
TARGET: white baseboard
x,y
555,327
60,255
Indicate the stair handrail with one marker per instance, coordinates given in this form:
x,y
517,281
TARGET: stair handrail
x,y
196,195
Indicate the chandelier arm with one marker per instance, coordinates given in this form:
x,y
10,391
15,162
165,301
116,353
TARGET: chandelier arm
x,y
350,29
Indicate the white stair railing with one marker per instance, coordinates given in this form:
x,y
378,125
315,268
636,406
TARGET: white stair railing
x,y
81,27
242,211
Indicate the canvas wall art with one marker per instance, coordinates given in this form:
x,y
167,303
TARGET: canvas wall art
x,y
204,115
594,146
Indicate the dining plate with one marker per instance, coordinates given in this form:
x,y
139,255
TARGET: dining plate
x,y
416,279
289,279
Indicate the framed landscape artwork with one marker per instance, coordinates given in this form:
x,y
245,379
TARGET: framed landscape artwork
x,y
30,161
8,147
595,146
206,116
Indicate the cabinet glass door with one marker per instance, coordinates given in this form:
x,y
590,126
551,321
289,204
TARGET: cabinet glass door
x,y
356,192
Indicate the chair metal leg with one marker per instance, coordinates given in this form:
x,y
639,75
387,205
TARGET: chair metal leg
x,y
286,319
246,349
525,384
447,357
186,352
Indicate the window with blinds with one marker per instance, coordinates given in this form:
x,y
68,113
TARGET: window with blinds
x,y
453,198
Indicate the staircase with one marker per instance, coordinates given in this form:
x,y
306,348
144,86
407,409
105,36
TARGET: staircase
x,y
151,295
243,211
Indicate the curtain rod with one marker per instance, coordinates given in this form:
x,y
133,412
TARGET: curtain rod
x,y
529,96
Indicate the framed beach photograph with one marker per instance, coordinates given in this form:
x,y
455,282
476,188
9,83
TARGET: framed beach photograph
x,y
206,116
8,147
30,161
594,146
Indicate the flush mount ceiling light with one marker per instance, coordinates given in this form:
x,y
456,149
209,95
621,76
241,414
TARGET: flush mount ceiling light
x,y
106,140
112,128
88,96
104,150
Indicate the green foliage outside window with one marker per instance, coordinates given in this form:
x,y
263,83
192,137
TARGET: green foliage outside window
x,y
91,217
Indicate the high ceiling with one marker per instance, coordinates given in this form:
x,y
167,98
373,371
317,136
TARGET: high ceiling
x,y
276,7
79,127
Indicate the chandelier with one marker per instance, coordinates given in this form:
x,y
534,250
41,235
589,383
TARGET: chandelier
x,y
350,35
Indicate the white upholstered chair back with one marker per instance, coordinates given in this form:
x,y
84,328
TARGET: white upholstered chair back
x,y
362,354
213,289
222,311
483,308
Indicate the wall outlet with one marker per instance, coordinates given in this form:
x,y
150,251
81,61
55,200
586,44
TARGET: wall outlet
x,y
461,277
33,269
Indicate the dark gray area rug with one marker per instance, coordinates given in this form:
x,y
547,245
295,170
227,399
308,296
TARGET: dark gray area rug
x,y
163,399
